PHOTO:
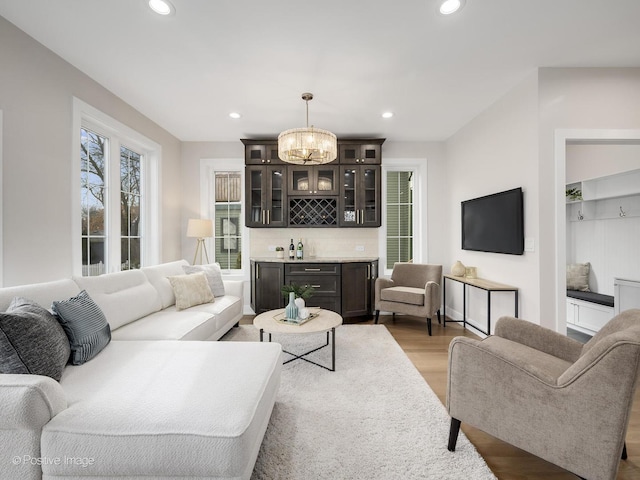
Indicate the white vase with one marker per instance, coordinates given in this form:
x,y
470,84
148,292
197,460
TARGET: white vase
x,y
299,303
458,269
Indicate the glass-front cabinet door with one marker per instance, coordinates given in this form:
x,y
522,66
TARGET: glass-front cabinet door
x,y
319,180
266,193
360,196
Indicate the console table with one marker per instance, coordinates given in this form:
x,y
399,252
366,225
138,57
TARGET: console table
x,y
482,284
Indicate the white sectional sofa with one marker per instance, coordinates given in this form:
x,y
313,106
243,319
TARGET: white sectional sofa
x,y
148,405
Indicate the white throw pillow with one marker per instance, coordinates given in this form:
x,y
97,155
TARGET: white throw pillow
x,y
213,274
190,290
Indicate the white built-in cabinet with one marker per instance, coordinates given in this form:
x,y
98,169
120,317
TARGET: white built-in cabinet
x,y
587,317
626,294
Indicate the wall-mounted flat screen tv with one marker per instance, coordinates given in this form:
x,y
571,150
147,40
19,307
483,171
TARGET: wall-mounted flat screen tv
x,y
494,223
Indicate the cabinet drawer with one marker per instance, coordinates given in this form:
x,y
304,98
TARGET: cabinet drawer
x,y
322,284
312,269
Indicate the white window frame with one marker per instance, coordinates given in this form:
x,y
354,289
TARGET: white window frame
x,y
86,116
208,167
1,208
419,168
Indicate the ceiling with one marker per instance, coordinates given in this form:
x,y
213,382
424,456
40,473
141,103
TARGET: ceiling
x,y
189,70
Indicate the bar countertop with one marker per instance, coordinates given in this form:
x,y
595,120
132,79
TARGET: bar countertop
x,y
316,260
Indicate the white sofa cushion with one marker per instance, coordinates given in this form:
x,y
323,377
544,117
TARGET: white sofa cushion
x,y
122,296
158,274
208,321
42,293
166,409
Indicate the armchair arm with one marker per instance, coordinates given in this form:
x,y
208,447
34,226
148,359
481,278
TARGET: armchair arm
x,y
432,294
381,283
539,338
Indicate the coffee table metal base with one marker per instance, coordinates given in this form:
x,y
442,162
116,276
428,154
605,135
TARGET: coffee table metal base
x,y
302,356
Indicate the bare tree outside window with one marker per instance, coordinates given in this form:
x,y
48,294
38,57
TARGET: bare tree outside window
x,y
94,162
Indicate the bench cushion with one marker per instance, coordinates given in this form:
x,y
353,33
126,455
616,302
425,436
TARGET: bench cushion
x,y
166,409
592,297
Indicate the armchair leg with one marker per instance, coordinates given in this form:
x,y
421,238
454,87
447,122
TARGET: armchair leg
x,y
438,312
454,429
377,315
393,317
624,451
429,326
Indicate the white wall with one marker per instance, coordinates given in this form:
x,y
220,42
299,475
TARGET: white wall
x,y
496,151
573,98
37,88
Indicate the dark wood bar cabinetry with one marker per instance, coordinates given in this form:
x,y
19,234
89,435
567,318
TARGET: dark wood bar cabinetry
x,y
343,286
343,193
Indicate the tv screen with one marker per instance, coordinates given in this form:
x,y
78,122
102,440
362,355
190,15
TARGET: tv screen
x,y
494,223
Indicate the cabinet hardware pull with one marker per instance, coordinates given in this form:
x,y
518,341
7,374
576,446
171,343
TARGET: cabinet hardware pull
x,y
257,271
311,269
263,212
369,271
357,216
362,216
316,286
268,217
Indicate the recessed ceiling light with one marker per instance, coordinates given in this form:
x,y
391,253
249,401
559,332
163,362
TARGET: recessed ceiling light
x,y
447,7
161,7
235,115
387,115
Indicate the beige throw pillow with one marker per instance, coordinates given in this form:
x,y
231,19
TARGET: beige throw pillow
x,y
190,290
578,277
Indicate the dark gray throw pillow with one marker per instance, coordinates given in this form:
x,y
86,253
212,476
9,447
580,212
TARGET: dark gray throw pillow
x,y
85,325
32,341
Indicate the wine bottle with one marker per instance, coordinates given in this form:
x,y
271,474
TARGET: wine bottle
x,y
299,251
292,250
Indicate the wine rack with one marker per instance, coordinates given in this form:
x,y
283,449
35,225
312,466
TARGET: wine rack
x,y
313,212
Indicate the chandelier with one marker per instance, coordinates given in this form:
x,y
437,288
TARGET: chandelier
x,y
309,145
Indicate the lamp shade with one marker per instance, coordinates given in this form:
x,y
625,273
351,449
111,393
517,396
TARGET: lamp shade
x,y
200,228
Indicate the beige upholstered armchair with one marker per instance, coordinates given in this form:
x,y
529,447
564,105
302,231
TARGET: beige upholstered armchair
x,y
413,289
545,393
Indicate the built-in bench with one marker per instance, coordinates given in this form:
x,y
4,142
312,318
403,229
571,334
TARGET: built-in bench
x,y
592,297
587,312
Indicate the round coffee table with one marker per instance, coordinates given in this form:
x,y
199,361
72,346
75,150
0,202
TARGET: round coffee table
x,y
326,321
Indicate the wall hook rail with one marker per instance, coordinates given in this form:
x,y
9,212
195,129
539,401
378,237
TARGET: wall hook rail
x,y
580,215
622,212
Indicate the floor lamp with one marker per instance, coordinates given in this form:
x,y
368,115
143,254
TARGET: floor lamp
x,y
200,228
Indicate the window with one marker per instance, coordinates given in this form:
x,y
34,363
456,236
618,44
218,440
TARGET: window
x,y
118,192
399,205
227,225
93,197
130,211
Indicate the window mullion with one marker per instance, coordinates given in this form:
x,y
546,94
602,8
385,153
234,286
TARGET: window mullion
x,y
113,195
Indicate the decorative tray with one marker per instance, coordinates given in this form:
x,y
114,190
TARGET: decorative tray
x,y
281,318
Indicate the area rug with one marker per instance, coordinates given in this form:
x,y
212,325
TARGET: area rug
x,y
373,418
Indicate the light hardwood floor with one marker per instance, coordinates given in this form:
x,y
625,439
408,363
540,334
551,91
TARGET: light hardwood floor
x,y
430,355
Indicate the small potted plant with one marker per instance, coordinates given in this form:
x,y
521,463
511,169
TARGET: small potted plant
x,y
301,293
279,252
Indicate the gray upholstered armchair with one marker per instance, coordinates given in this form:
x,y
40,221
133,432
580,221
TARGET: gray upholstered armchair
x,y
545,393
413,289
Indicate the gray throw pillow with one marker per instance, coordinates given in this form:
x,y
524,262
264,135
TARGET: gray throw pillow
x,y
85,325
213,274
32,341
578,277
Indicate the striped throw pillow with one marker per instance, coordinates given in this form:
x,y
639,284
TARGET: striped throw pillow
x,y
85,325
